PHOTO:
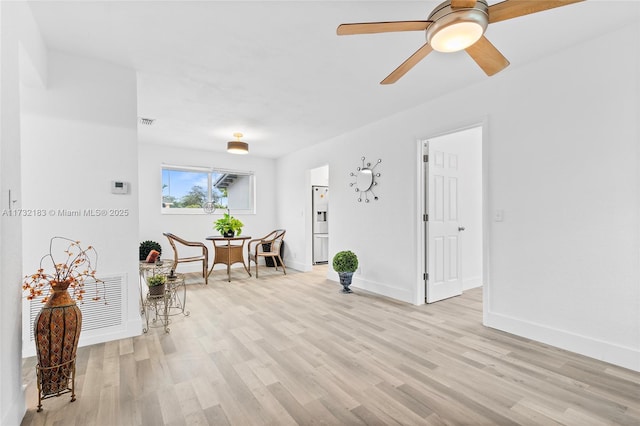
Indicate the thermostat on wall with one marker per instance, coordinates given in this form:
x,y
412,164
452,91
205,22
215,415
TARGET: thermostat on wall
x,y
119,187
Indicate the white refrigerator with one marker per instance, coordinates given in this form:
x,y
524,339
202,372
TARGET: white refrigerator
x,y
320,209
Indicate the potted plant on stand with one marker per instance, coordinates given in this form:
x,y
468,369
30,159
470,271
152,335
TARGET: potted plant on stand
x,y
156,285
345,264
228,226
147,247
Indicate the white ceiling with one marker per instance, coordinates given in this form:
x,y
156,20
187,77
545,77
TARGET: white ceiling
x,y
276,70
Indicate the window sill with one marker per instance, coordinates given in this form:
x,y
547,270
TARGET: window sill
x,y
189,212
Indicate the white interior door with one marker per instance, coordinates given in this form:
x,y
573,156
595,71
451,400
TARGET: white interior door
x,y
443,235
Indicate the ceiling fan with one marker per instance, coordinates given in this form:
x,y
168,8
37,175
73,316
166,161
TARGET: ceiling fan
x,y
456,25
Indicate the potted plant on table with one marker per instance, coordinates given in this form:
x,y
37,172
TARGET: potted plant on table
x,y
345,264
228,226
156,284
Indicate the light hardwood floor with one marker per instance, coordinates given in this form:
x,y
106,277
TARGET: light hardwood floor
x,y
285,350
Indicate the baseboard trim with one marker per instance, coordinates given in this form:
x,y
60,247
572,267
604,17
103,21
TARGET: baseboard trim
x,y
469,283
381,289
133,328
298,266
598,349
92,337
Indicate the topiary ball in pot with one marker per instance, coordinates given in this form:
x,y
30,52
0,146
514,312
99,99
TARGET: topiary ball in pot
x,y
147,246
345,264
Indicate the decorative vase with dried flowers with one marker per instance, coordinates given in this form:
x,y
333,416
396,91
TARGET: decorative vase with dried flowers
x,y
57,326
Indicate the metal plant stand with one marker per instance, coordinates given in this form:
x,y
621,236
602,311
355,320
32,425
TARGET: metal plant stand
x,y
158,309
161,267
66,373
156,306
177,294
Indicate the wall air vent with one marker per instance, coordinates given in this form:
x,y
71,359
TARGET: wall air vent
x,y
146,121
95,314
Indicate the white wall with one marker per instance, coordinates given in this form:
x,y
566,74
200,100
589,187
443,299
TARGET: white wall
x,y
239,193
79,134
293,180
11,399
561,152
371,230
194,227
21,62
319,176
564,263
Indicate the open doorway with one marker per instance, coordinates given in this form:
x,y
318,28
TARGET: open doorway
x,y
452,213
320,217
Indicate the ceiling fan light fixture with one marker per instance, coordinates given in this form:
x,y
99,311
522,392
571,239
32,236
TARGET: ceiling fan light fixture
x,y
456,25
456,29
456,37
237,146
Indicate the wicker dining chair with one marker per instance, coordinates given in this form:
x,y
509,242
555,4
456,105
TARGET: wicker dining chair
x,y
203,257
267,247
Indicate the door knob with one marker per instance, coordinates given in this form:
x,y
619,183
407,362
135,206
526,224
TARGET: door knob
x,y
460,228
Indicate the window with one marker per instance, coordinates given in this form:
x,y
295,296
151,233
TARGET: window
x,y
186,190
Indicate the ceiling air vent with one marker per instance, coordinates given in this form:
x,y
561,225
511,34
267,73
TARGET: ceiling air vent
x,y
146,121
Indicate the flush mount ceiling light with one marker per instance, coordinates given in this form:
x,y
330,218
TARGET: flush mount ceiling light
x,y
457,25
237,146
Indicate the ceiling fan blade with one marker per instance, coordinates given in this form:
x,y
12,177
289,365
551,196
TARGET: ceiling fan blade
x,y
509,9
462,4
487,56
382,27
408,64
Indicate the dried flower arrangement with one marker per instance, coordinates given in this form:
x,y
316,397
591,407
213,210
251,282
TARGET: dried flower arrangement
x,y
79,265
